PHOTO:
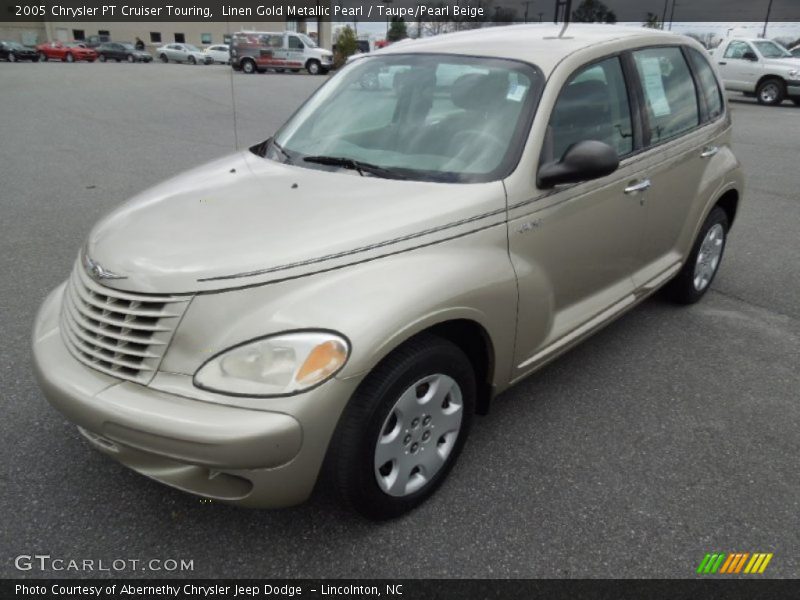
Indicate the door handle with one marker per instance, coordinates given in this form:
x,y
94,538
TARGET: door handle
x,y
709,151
722,62
638,186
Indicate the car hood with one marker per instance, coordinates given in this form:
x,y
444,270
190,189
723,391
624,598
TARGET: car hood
x,y
245,220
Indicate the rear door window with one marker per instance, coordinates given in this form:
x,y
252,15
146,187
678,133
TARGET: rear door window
x,y
670,95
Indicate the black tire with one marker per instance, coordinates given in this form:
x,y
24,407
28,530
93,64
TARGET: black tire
x,y
796,101
102,58
164,58
130,58
12,57
313,67
295,70
248,66
683,288
116,59
350,462
192,60
771,92
69,58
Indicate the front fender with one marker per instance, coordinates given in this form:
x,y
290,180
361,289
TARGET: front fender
x,y
376,304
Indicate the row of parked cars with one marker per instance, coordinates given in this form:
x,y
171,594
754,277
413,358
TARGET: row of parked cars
x,y
116,51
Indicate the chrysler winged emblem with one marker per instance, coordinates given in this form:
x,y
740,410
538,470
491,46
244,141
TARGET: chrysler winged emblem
x,y
96,270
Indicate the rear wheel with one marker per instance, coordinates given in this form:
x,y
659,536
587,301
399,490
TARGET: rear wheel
x,y
403,429
694,279
796,101
248,66
771,92
69,58
164,58
192,60
12,57
130,58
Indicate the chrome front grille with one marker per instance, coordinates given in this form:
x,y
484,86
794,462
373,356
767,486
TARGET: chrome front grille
x,y
122,334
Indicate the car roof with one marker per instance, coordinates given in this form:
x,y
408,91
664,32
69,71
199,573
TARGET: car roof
x,y
536,43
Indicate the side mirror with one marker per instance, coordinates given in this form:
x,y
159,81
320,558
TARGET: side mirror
x,y
750,55
583,161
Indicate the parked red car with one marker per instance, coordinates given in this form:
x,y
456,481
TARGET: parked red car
x,y
66,51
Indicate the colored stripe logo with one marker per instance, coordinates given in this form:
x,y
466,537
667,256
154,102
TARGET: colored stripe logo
x,y
734,563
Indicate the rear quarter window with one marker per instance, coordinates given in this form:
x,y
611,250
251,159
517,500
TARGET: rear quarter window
x,y
709,87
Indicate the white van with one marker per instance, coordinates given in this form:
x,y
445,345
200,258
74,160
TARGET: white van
x,y
253,51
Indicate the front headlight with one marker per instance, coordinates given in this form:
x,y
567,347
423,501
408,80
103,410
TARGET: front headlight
x,y
279,365
794,74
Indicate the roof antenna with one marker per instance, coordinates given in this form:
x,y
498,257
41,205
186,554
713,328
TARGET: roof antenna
x,y
566,6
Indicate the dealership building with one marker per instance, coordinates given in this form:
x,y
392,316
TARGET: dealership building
x,y
155,33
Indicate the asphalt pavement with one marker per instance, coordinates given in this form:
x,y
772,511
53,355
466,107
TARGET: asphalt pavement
x,y
671,433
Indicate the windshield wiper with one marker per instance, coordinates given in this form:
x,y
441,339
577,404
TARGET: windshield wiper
x,y
355,165
280,149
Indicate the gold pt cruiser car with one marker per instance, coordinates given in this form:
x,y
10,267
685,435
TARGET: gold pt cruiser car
x,y
434,224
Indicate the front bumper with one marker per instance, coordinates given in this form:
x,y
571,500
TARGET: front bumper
x,y
250,457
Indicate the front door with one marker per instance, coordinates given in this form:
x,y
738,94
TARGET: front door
x,y
739,73
574,248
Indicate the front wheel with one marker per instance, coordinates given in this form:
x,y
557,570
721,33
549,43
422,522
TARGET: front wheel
x,y
694,279
771,92
164,58
130,58
69,58
313,67
12,57
249,67
404,428
192,60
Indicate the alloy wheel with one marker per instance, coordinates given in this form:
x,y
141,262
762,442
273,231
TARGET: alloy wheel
x,y
708,257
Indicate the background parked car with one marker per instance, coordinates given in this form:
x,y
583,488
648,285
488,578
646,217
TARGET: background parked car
x,y
760,68
14,51
221,53
121,51
66,51
93,41
183,53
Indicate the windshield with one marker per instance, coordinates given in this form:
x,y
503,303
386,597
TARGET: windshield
x,y
14,45
422,116
128,46
75,45
772,50
307,40
191,48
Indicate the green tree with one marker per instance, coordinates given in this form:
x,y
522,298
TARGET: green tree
x,y
397,30
346,45
652,21
593,11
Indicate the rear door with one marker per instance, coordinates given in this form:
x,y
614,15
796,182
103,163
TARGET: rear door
x,y
679,146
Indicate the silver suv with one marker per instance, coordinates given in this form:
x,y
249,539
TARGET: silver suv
x,y
344,297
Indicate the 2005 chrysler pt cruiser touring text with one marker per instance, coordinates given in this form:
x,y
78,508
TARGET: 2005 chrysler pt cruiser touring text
x,y
435,223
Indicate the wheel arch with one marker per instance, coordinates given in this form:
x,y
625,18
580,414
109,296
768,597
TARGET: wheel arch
x,y
729,202
764,78
474,340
